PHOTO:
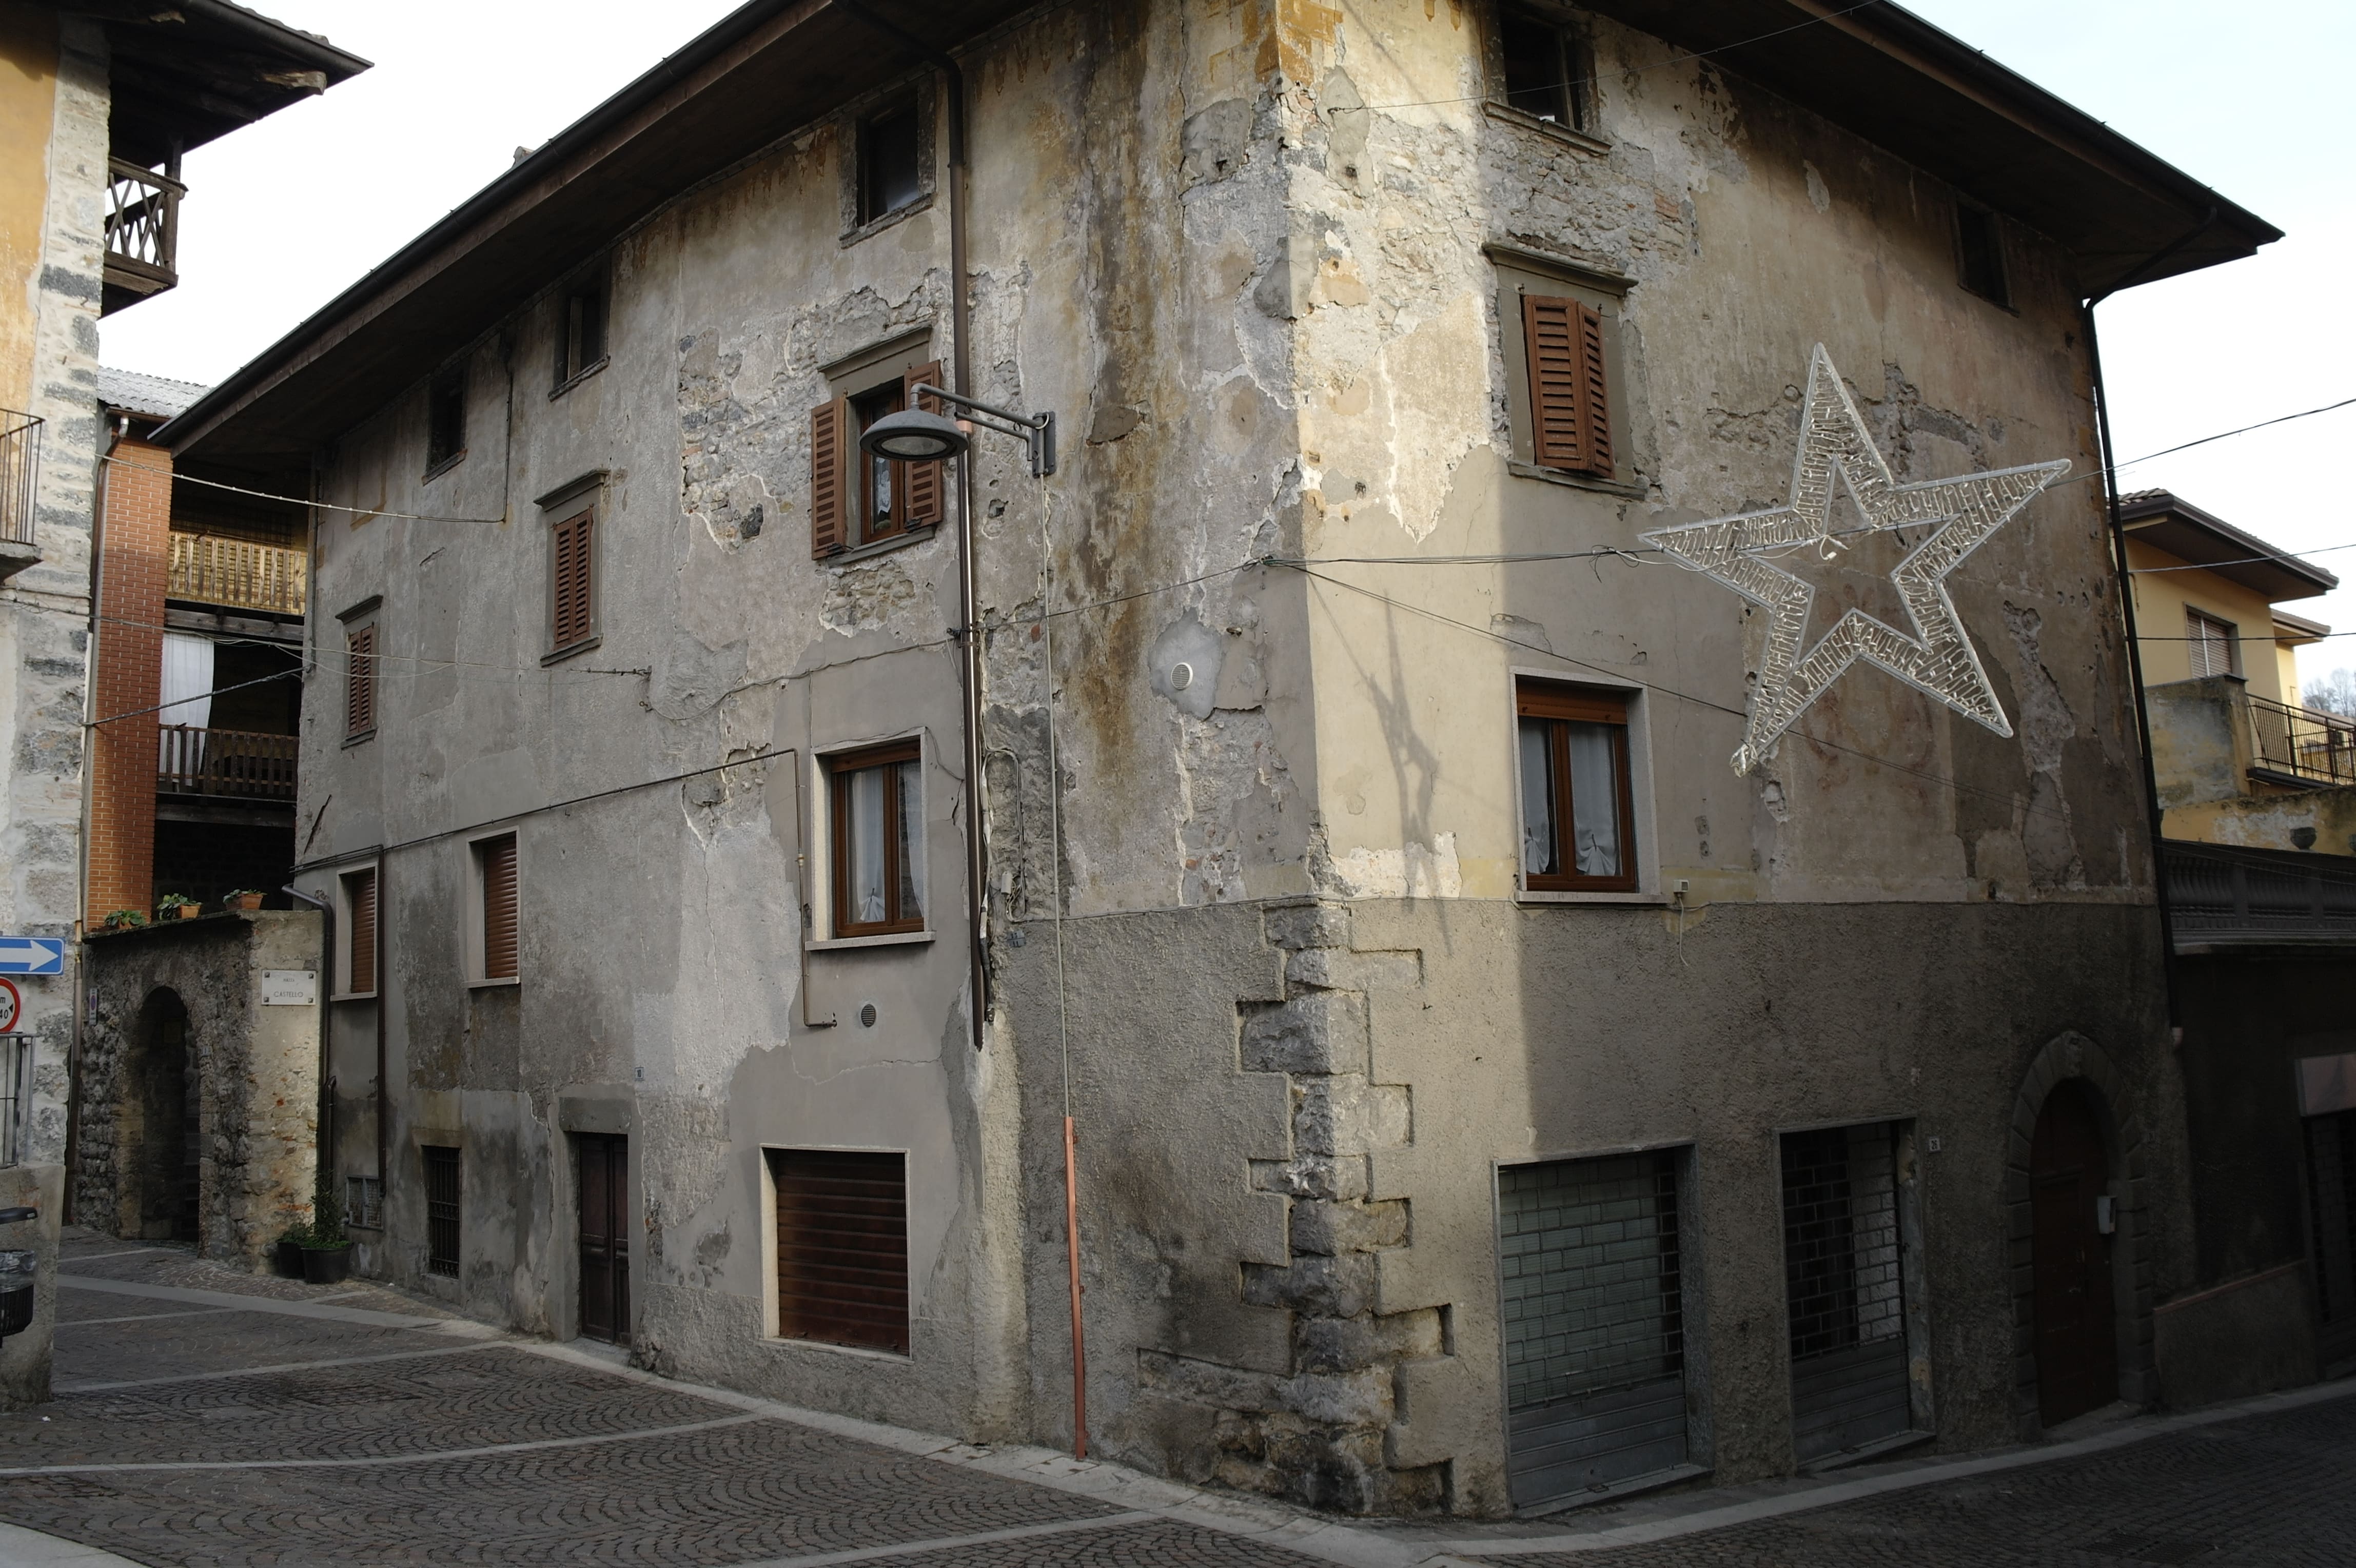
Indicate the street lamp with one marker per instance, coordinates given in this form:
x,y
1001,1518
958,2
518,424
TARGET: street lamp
x,y
915,434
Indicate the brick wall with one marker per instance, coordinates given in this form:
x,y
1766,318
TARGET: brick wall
x,y
127,672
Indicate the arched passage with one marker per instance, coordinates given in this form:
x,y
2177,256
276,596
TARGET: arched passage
x,y
2076,1318
160,1142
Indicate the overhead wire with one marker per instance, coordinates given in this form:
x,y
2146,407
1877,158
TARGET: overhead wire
x,y
180,479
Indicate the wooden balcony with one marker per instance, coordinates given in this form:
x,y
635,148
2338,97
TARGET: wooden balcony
x,y
143,233
225,762
236,573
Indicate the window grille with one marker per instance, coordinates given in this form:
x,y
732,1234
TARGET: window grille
x,y
20,466
16,1097
364,1202
442,1211
1844,1275
1594,1322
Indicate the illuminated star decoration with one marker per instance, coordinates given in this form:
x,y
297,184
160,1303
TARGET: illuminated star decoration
x,y
1938,659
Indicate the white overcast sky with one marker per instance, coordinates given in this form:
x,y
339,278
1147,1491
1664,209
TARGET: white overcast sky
x,y
2252,100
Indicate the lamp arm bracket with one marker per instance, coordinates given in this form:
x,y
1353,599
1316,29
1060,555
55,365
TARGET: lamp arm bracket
x,y
1036,431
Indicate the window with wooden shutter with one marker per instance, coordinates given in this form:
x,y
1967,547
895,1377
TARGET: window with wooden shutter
x,y
877,843
495,867
359,926
359,681
924,485
1570,406
573,581
843,1246
829,479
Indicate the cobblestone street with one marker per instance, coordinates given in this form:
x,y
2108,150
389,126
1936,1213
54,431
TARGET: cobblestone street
x,y
205,1418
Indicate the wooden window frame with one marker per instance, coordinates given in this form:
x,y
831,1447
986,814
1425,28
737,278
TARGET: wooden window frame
x,y
1996,290
478,924
840,767
843,496
1575,66
853,134
1565,704
573,625
361,690
2195,618
590,292
781,1314
349,923
446,448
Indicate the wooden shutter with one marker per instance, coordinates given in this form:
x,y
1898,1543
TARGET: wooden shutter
x,y
359,895
359,680
1571,422
925,484
572,596
843,1246
499,909
830,483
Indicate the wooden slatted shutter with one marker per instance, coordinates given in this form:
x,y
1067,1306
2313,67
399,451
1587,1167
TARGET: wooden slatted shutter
x,y
1570,420
359,680
359,899
499,909
925,484
829,479
843,1246
573,567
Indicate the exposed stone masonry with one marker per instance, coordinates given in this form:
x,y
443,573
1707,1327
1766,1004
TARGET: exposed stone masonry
x,y
1320,1435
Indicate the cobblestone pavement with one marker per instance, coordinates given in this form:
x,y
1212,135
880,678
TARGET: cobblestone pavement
x,y
206,1418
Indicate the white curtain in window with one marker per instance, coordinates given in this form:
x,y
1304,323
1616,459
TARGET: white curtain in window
x,y
1538,798
912,842
1594,801
188,693
867,844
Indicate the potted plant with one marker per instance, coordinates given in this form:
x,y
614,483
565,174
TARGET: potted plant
x,y
244,899
327,1251
286,1257
175,906
125,920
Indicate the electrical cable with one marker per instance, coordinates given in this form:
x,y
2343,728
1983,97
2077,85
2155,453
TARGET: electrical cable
x,y
180,479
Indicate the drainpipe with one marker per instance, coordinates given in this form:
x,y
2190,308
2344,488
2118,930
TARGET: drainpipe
x,y
2127,610
323,1135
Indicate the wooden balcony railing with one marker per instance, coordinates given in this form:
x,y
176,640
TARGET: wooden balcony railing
x,y
20,466
143,231
193,761
236,573
2312,746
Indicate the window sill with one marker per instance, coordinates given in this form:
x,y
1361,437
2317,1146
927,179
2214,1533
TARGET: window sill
x,y
494,984
1567,895
1552,129
864,1353
360,739
570,649
352,996
882,546
1521,470
436,470
578,377
888,940
877,225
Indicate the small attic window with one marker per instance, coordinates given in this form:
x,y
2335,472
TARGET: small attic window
x,y
581,327
1979,252
891,168
446,419
1546,70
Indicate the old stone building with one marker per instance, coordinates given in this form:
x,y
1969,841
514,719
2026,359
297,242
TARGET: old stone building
x,y
1536,776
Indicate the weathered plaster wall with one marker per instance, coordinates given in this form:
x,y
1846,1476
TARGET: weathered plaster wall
x,y
44,647
28,49
257,1075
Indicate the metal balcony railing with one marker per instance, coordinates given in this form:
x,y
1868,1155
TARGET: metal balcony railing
x,y
2307,745
143,229
236,573
20,472
2225,896
193,761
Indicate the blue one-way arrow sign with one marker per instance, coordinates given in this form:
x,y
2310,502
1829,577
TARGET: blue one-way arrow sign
x,y
32,955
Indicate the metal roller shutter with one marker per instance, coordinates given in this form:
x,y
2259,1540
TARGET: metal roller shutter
x,y
1845,1287
1594,1323
843,1246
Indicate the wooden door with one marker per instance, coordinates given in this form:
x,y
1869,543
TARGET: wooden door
x,y
2077,1355
605,1201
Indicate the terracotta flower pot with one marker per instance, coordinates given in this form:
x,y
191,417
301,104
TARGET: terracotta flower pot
x,y
185,911
248,901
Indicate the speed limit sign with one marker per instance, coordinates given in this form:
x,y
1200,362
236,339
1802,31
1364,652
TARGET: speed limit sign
x,y
12,1006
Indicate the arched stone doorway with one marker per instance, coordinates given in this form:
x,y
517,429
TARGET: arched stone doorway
x,y
2073,1308
160,1143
